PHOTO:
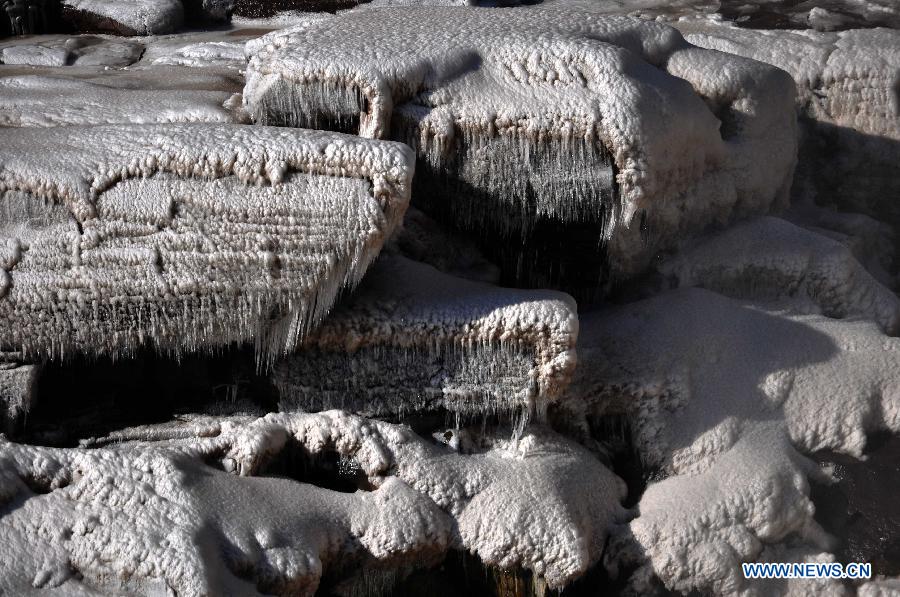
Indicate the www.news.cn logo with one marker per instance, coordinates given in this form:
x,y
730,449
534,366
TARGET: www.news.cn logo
x,y
806,570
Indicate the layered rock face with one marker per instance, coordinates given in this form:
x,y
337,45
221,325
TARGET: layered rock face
x,y
186,238
452,344
530,123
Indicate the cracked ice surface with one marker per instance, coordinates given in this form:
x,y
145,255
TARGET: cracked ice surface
x,y
185,237
611,116
412,339
542,503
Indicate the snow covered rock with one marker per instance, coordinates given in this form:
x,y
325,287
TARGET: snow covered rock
x,y
847,84
205,54
723,397
770,258
151,518
185,237
527,119
131,17
541,502
34,100
414,339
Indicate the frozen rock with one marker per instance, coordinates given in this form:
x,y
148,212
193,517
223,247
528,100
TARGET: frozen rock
x,y
205,54
83,50
185,237
42,101
695,530
34,55
151,518
17,387
723,396
524,119
847,84
770,258
540,502
707,360
124,17
414,339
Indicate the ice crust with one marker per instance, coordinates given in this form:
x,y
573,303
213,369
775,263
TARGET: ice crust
x,y
185,237
412,339
148,510
36,100
622,110
797,269
724,396
125,17
847,84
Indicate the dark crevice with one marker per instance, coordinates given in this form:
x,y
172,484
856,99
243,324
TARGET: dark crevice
x,y
83,398
328,470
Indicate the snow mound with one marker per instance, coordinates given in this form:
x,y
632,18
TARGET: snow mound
x,y
185,237
723,397
149,506
537,115
414,339
35,100
131,17
770,258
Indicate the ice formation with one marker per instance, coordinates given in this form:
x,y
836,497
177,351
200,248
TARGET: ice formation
x,y
204,54
83,50
555,115
147,511
413,339
35,100
770,258
722,394
185,237
124,17
847,84
17,387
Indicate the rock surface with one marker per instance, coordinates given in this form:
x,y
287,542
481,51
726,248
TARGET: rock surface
x,y
412,339
528,117
186,237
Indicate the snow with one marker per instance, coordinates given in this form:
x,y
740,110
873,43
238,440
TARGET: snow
x,y
35,100
724,396
131,17
617,105
148,510
413,339
203,54
140,223
797,269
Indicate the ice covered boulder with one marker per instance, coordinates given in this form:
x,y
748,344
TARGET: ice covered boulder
x,y
540,124
150,518
83,50
414,339
847,83
540,502
185,237
35,100
726,399
124,17
772,259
